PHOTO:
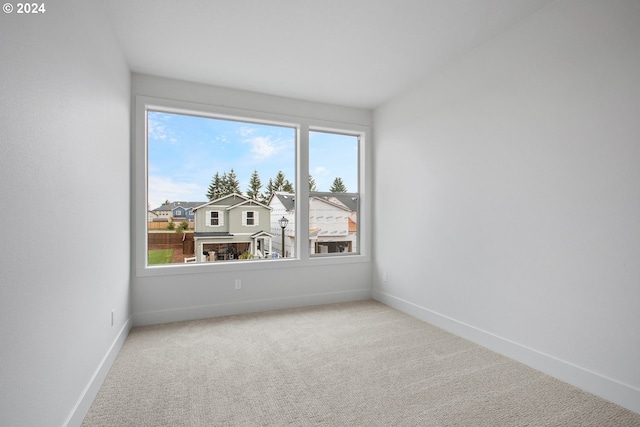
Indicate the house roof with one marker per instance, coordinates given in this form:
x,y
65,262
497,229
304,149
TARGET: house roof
x,y
237,201
347,199
249,202
218,234
288,200
313,232
336,204
173,205
262,233
230,196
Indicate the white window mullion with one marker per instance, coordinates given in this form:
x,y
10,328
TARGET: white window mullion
x,y
302,193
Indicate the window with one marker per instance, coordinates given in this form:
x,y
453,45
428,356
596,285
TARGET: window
x,y
215,218
250,218
219,166
238,177
333,193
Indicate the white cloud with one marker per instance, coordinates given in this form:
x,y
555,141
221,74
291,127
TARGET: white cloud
x,y
160,128
163,188
156,130
246,131
263,147
319,170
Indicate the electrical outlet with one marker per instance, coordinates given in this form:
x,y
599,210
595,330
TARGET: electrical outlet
x,y
113,312
384,277
238,283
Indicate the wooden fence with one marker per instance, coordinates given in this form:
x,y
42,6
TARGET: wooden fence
x,y
169,238
163,225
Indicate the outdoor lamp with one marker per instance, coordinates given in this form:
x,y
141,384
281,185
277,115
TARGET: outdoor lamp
x,y
283,224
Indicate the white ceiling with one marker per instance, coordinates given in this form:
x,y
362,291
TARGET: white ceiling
x,y
355,53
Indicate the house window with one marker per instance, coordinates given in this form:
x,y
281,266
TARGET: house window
x,y
215,218
240,173
250,218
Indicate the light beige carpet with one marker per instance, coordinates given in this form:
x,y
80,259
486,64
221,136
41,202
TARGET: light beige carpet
x,y
350,364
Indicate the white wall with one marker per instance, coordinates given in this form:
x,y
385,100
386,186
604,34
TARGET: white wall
x,y
520,165
64,165
207,291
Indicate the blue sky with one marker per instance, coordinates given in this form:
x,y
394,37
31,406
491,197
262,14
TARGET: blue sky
x,y
184,153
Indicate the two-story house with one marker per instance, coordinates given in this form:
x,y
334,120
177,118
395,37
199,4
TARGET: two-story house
x,y
332,222
182,212
231,227
176,211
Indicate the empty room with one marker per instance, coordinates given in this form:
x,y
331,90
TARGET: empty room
x,y
276,212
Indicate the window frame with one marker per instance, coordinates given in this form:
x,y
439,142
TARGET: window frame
x,y
303,126
356,194
220,218
255,217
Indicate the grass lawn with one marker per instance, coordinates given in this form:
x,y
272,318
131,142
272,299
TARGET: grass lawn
x,y
160,256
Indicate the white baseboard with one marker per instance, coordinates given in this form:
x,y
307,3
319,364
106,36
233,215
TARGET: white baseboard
x,y
91,391
610,389
243,307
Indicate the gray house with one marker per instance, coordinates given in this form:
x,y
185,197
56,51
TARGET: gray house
x,y
231,227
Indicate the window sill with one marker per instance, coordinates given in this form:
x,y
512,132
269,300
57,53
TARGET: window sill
x,y
250,265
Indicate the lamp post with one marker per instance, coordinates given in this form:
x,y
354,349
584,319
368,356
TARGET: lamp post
x,y
283,224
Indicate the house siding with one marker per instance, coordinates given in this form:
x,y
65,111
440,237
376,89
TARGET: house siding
x,y
235,220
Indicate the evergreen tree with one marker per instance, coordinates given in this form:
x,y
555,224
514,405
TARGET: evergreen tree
x,y
215,188
267,193
223,185
253,192
232,185
312,184
338,186
280,183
